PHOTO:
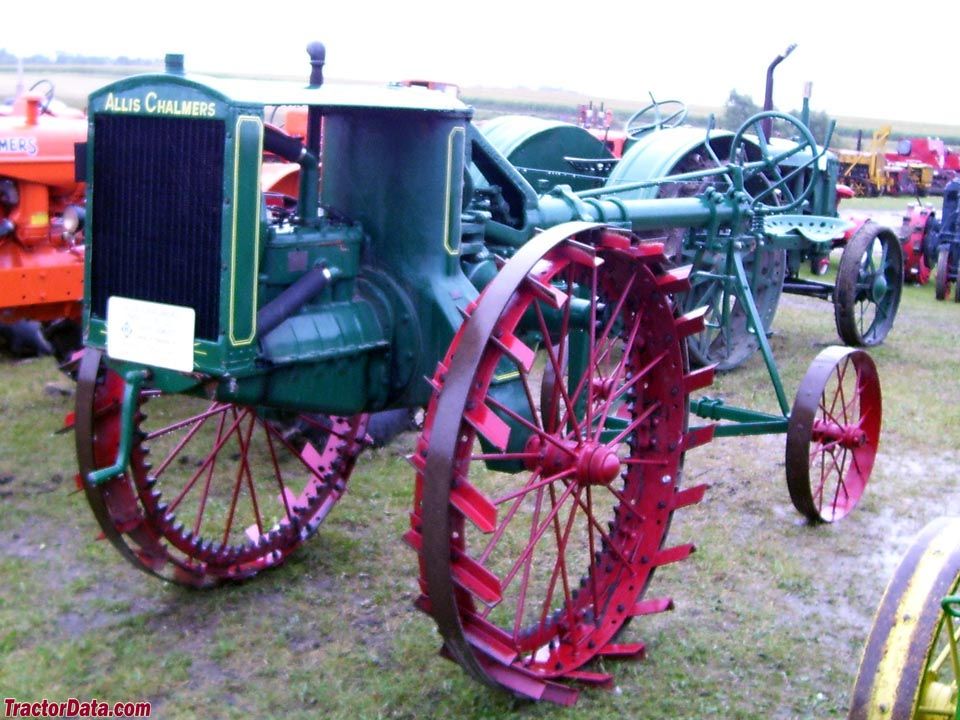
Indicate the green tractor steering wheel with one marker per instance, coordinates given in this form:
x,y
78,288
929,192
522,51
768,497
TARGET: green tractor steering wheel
x,y
778,175
666,114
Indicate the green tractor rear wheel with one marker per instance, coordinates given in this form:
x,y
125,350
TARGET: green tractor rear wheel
x,y
869,282
727,340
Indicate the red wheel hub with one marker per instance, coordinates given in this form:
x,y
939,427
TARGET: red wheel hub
x,y
846,436
593,463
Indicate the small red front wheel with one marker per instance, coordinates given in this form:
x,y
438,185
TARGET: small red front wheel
x,y
832,433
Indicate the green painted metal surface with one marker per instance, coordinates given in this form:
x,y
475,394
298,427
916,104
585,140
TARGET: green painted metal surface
x,y
244,235
667,152
548,152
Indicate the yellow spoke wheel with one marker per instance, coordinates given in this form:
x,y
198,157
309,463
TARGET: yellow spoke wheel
x,y
909,666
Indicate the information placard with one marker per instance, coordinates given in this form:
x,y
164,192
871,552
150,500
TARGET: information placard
x,y
150,333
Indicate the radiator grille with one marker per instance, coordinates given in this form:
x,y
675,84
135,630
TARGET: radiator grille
x,y
157,213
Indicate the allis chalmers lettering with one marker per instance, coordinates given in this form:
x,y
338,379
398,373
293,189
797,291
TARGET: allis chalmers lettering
x,y
155,105
19,145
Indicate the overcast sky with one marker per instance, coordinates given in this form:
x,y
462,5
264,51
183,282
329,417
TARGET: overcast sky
x,y
862,62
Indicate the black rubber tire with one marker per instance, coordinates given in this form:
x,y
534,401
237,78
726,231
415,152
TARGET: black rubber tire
x,y
931,237
943,273
862,318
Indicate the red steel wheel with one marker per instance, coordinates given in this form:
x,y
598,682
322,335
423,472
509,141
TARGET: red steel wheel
x,y
540,515
832,433
233,490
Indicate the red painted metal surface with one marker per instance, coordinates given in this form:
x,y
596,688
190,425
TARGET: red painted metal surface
x,y
833,433
918,223
41,262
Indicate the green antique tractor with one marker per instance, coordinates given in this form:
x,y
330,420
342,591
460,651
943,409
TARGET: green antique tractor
x,y
662,158
238,342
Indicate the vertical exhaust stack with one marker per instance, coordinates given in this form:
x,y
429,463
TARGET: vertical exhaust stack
x,y
767,124
173,64
309,179
318,56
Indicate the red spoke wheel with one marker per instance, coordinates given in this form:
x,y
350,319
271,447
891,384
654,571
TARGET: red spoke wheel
x,y
230,490
832,433
549,463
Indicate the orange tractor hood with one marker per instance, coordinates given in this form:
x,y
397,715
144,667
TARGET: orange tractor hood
x,y
39,147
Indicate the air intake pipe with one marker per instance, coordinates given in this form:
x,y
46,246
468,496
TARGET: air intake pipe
x,y
306,287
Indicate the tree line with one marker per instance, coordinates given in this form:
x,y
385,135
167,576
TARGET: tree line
x,y
63,58
739,108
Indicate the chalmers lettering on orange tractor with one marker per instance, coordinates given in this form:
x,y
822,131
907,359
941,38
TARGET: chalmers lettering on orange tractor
x,y
18,145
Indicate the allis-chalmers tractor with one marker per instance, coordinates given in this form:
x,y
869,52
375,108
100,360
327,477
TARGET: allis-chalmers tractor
x,y
237,342
41,215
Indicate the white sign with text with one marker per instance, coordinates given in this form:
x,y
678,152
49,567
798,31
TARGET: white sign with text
x,y
150,333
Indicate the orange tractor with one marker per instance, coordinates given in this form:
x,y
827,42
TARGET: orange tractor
x,y
41,220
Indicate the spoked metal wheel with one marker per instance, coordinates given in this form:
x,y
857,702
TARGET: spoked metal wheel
x,y
549,463
727,339
869,282
832,434
942,288
910,665
230,490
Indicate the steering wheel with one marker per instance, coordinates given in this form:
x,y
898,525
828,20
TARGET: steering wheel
x,y
47,93
773,180
666,114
